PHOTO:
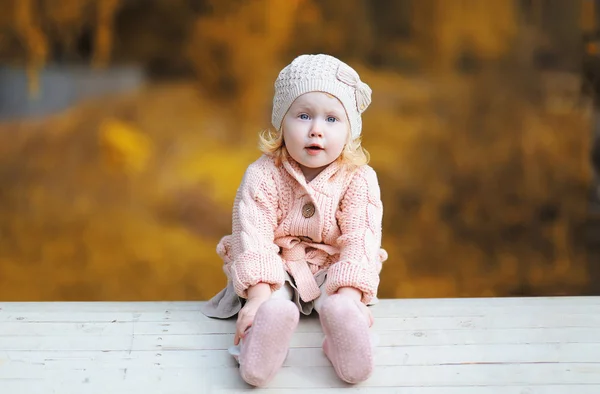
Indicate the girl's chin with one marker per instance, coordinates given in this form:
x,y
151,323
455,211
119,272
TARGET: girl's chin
x,y
314,162
313,165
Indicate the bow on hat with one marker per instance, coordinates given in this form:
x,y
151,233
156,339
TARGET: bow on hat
x,y
363,92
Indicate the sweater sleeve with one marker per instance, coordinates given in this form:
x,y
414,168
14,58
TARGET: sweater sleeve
x,y
255,257
360,220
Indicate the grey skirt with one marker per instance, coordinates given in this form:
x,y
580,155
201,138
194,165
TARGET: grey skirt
x,y
227,303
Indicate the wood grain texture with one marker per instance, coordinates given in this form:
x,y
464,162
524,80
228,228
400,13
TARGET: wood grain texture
x,y
423,346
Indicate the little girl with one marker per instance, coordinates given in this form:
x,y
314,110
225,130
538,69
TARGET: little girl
x,y
306,230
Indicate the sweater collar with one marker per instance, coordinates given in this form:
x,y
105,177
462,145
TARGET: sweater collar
x,y
319,182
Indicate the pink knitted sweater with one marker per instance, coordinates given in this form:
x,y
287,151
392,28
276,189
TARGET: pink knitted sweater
x,y
281,223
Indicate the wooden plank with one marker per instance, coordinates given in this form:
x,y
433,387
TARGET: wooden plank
x,y
302,339
521,345
158,387
396,303
101,306
306,357
385,305
554,389
62,328
483,307
319,377
379,311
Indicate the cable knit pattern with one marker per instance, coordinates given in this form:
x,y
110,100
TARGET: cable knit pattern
x,y
360,220
281,223
250,253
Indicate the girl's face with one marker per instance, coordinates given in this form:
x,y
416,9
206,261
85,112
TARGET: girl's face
x,y
315,130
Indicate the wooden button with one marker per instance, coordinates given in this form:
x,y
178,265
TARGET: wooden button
x,y
308,210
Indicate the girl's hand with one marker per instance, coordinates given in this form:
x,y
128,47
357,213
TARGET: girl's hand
x,y
246,318
256,296
356,295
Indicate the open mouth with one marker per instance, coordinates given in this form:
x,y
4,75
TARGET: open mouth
x,y
314,148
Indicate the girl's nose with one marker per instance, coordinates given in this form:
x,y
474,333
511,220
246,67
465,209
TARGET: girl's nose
x,y
315,131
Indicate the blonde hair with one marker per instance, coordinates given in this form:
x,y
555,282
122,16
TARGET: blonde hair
x,y
272,144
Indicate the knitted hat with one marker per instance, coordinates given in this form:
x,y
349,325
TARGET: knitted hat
x,y
321,73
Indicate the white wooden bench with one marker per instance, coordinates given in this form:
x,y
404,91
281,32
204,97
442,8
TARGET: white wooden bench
x,y
424,346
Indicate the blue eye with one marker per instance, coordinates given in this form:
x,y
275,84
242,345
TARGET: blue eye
x,y
303,116
331,119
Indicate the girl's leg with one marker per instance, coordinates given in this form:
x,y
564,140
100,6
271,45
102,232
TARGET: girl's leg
x,y
318,303
265,347
347,342
284,293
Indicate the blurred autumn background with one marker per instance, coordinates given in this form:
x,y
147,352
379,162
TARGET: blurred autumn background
x,y
125,128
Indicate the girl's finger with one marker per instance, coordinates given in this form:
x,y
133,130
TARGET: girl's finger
x,y
239,335
239,332
241,328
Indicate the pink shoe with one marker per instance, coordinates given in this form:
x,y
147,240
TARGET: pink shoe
x,y
347,342
266,344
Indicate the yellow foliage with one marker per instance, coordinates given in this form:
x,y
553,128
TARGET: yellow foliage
x,y
217,166
124,146
443,29
37,24
588,15
106,10
28,27
236,53
484,186
454,191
